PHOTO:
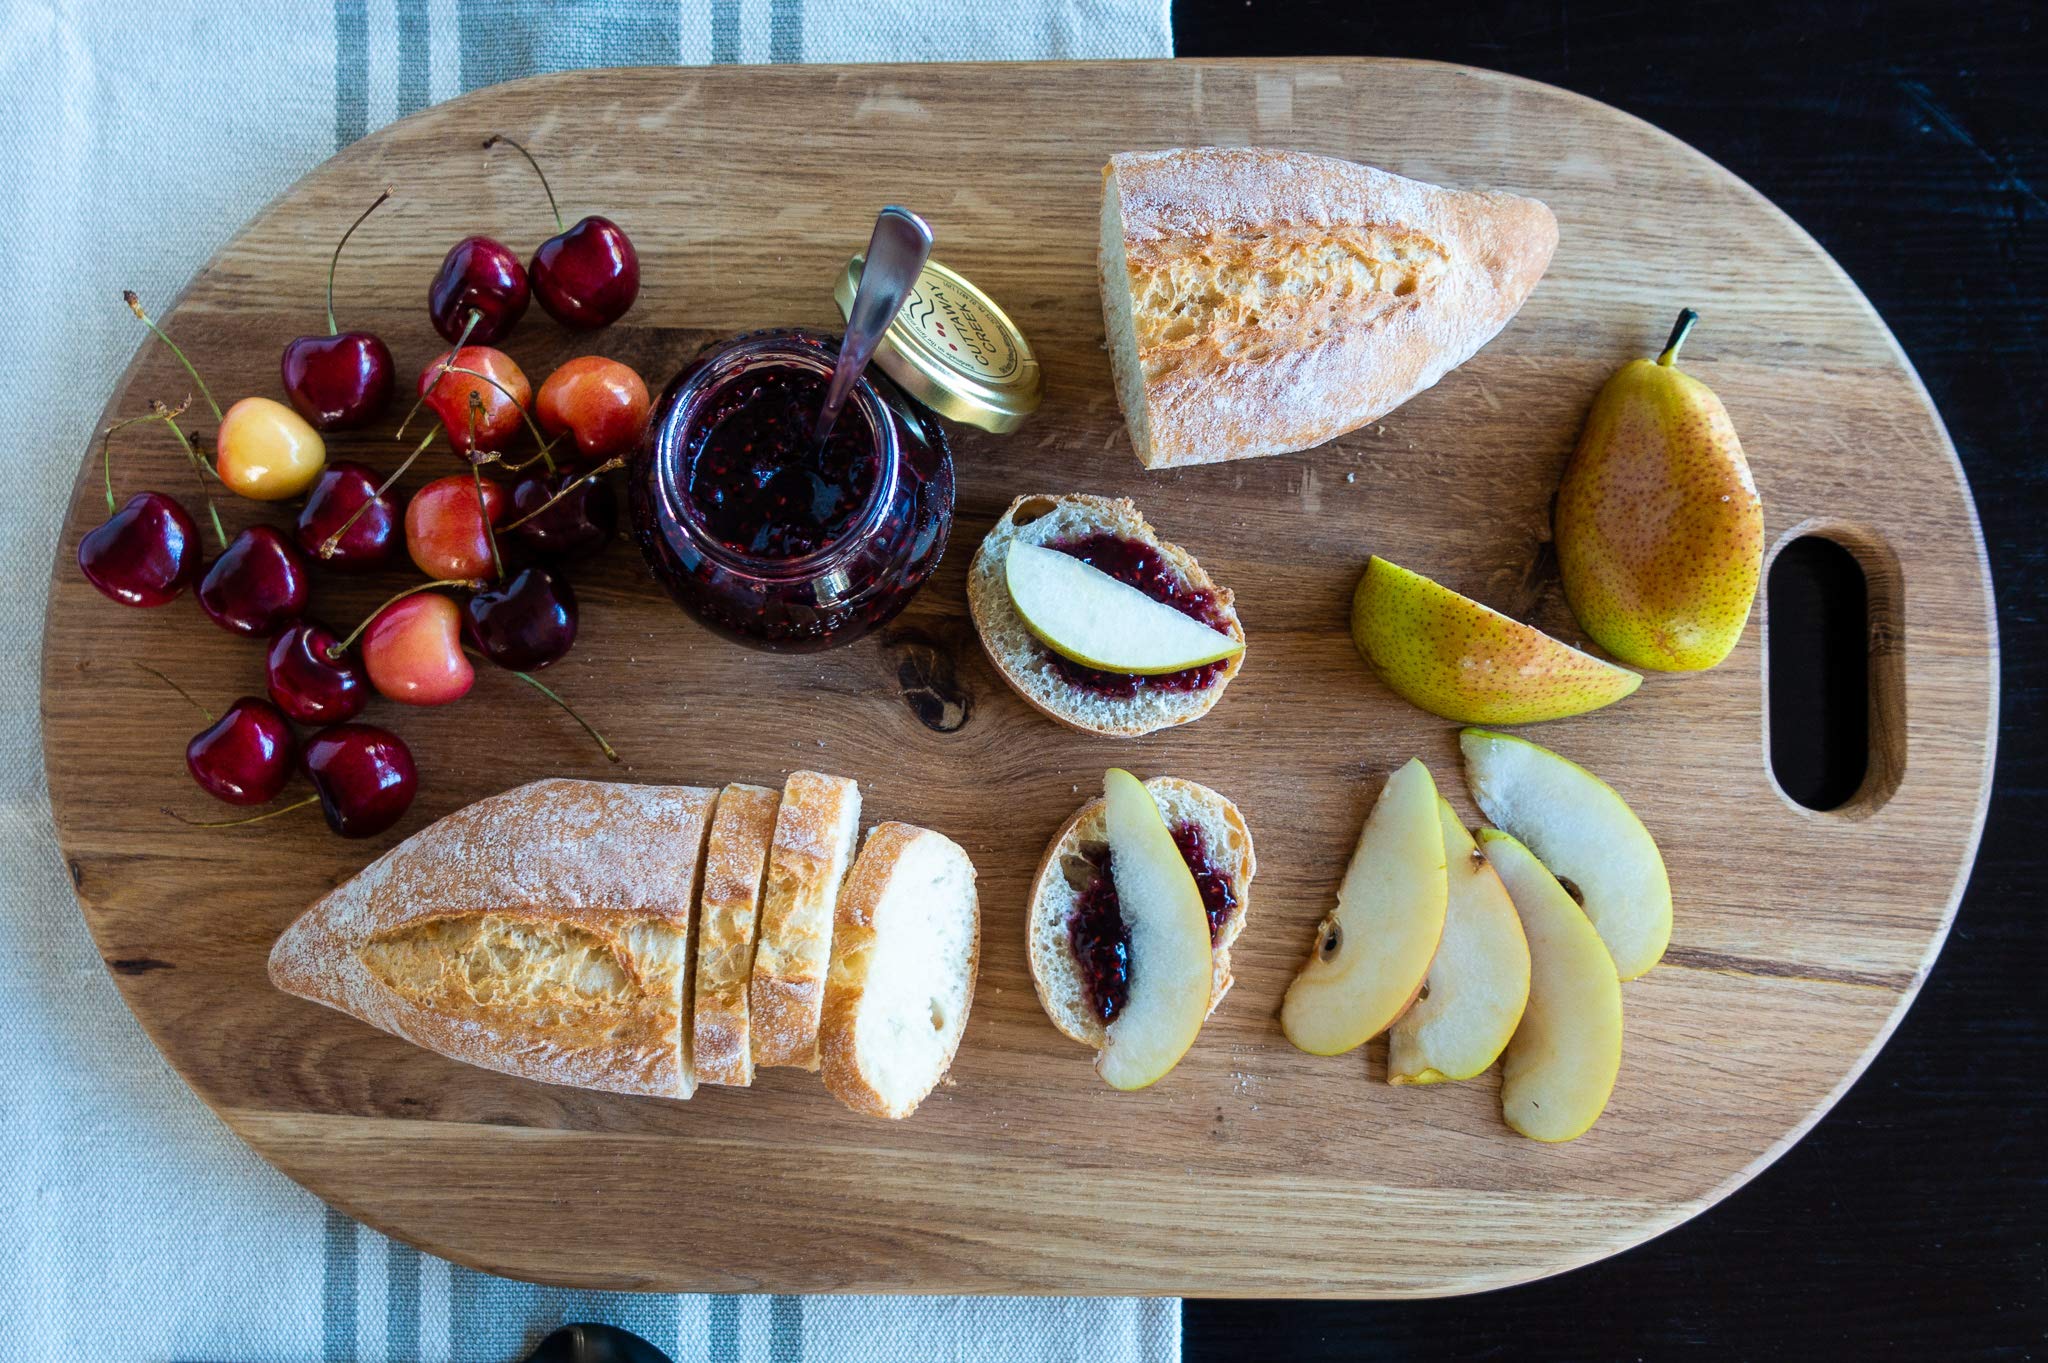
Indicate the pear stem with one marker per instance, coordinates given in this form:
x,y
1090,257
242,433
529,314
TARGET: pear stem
x,y
1679,331
334,329
135,306
237,823
335,652
175,687
495,138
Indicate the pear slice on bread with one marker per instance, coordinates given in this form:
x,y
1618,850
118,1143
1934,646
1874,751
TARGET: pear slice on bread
x,y
1260,301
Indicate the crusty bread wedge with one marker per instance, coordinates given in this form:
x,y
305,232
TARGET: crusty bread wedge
x,y
1032,668
815,831
1079,852
544,932
1258,302
734,863
906,942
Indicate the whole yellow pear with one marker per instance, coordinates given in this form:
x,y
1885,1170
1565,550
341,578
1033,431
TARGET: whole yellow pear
x,y
1660,533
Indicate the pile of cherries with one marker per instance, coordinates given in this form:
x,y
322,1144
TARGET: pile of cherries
x,y
492,539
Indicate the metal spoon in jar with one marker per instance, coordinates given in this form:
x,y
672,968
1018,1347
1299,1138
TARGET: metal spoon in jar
x,y
896,255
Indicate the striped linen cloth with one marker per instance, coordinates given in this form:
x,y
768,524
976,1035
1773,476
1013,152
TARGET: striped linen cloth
x,y
133,1226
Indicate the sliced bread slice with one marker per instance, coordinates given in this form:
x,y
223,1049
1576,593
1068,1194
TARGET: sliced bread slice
x,y
1079,853
815,829
906,942
734,863
1034,670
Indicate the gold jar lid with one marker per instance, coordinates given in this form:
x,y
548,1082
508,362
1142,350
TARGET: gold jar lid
x,y
955,351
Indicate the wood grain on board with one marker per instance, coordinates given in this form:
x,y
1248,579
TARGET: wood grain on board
x,y
1253,1169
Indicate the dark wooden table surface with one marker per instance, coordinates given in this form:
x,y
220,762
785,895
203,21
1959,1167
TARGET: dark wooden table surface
x,y
1912,141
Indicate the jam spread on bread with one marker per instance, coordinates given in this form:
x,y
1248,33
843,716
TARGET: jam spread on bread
x,y
1136,564
761,484
1099,938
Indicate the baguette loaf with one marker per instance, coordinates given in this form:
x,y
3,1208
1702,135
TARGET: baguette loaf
x,y
734,863
906,942
1033,669
1079,852
1258,302
814,836
544,932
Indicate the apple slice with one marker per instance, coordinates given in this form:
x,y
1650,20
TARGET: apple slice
x,y
1462,661
1584,833
1373,950
1479,982
1169,952
1558,1071
1080,612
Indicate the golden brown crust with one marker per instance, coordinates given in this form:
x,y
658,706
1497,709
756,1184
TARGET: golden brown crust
x,y
815,830
735,862
1019,658
601,869
1281,299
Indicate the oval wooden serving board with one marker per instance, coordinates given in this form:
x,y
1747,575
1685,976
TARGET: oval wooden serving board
x,y
1254,1169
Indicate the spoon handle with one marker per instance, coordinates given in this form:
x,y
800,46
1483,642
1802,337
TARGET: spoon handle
x,y
896,256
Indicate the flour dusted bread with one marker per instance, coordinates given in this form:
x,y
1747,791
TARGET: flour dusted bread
x,y
735,861
1259,301
1079,852
544,932
906,942
814,836
1033,669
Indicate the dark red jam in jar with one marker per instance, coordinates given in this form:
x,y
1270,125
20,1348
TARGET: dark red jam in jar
x,y
1100,939
1140,565
768,538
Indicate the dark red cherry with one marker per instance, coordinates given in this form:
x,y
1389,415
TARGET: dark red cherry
x,y
364,775
523,624
371,541
585,276
256,586
144,554
585,519
338,382
477,276
588,276
308,684
245,756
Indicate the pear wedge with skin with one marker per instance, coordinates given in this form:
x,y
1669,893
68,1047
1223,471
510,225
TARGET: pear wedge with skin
x,y
1479,982
1585,833
1082,613
1372,952
1559,1070
1463,661
1169,951
1659,529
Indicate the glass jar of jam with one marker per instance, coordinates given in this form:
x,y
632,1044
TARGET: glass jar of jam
x,y
767,538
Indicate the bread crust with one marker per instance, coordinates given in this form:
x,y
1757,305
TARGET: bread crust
x,y
815,829
853,940
611,863
735,863
1387,284
994,615
1090,817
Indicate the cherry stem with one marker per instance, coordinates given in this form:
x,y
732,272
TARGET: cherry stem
x,y
606,467
331,546
535,431
107,450
237,823
495,138
545,453
483,513
604,745
332,328
1679,331
335,652
474,317
175,687
199,466
135,306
